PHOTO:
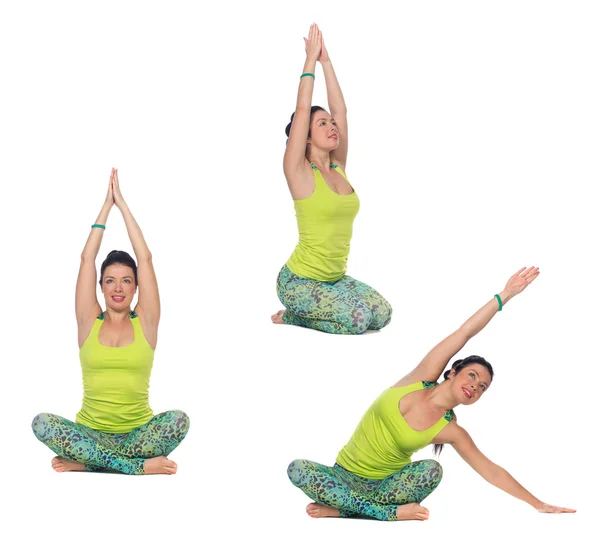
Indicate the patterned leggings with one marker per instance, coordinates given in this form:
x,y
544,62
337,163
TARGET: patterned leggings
x,y
346,306
99,451
356,496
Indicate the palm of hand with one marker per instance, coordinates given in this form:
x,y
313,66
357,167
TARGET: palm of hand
x,y
519,281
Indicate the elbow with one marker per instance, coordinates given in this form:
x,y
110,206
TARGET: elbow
x,y
465,333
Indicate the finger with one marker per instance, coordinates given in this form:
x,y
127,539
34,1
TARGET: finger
x,y
519,271
527,271
532,274
567,510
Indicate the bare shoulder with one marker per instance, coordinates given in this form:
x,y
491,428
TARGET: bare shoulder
x,y
414,376
451,433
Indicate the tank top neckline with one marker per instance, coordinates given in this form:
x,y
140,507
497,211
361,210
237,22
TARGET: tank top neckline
x,y
101,317
335,167
448,416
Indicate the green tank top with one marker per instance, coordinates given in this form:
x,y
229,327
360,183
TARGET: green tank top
x,y
115,381
325,228
383,442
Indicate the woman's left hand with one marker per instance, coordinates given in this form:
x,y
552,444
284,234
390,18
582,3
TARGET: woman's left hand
x,y
520,280
119,200
549,509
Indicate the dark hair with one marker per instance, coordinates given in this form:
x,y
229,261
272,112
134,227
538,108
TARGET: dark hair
x,y
457,366
313,109
118,257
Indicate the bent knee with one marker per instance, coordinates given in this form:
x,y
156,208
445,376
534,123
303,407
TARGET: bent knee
x,y
296,472
433,469
360,320
382,313
40,425
182,421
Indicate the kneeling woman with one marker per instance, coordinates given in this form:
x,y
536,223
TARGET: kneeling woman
x,y
115,428
313,285
373,475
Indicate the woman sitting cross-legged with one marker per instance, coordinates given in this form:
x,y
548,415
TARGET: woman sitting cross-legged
x,y
374,475
115,429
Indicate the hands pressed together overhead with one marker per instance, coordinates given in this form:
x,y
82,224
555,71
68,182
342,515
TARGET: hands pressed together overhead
x,y
114,196
315,46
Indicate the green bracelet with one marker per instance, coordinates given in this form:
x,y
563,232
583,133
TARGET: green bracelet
x,y
499,302
307,74
96,226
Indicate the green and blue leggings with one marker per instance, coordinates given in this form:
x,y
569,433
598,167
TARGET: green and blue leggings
x,y
356,496
346,306
99,451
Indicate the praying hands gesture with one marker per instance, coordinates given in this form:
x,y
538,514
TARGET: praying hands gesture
x,y
314,44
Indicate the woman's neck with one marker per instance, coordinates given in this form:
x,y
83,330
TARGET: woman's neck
x,y
441,396
117,316
320,159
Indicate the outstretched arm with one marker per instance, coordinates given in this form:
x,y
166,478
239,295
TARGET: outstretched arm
x,y
434,363
337,106
492,473
294,159
87,307
148,297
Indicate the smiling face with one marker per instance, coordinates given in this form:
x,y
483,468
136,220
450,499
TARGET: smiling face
x,y
470,383
118,286
323,131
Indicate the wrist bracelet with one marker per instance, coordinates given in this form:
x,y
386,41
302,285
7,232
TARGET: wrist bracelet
x,y
499,302
307,74
97,226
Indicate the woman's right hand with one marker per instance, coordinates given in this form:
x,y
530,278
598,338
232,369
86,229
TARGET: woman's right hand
x,y
549,509
110,197
313,43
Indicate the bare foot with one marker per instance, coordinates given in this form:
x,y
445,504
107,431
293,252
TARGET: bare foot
x,y
412,511
60,464
160,465
277,318
315,510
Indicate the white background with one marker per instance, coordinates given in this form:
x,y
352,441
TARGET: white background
x,y
474,150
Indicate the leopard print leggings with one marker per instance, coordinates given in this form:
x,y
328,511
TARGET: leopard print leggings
x,y
99,451
356,496
346,306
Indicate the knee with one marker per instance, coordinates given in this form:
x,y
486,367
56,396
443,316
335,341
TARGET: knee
x,y
382,312
40,425
182,422
434,472
297,472
360,320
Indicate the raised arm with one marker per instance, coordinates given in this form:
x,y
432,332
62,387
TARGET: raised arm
x,y
148,305
492,473
337,107
294,159
87,307
434,363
